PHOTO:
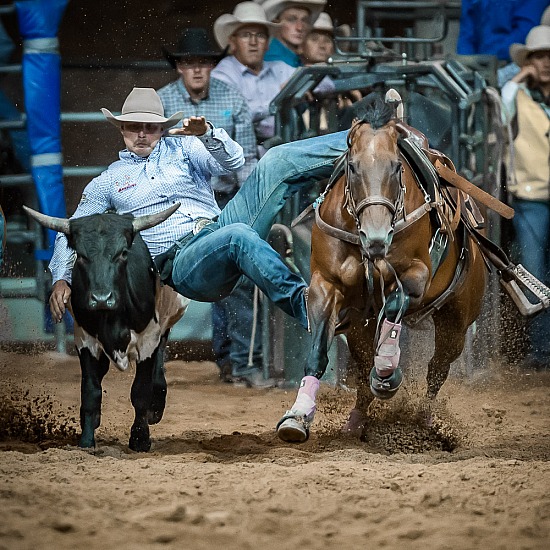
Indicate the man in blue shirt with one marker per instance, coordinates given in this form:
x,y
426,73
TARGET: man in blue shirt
x,y
295,18
234,329
490,27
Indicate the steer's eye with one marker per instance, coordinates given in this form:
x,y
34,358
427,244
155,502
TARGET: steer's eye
x,y
122,256
81,259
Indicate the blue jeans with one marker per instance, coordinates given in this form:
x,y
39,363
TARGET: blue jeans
x,y
232,326
532,228
210,265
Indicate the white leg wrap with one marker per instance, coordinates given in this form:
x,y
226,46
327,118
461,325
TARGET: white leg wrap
x,y
388,351
307,394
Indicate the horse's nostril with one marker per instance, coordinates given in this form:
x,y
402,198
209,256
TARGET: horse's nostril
x,y
376,250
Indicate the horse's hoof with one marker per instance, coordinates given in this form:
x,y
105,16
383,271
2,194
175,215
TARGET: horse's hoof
x,y
355,424
385,388
292,430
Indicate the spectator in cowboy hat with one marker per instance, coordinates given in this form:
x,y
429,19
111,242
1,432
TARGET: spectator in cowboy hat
x,y
317,48
511,69
318,45
526,106
194,92
246,32
295,18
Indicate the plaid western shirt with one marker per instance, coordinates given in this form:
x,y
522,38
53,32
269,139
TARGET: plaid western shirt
x,y
226,108
178,170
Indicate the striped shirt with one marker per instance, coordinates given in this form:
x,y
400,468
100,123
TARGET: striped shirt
x,y
178,170
257,89
225,108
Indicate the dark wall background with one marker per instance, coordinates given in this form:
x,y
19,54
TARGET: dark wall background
x,y
100,42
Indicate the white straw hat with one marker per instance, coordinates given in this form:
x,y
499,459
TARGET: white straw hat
x,y
245,13
273,8
324,23
537,39
143,105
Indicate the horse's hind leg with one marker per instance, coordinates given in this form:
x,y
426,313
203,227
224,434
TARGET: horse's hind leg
x,y
360,339
450,336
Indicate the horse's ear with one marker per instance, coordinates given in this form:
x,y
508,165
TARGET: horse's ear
x,y
393,98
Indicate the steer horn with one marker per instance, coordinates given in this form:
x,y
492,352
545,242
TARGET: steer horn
x,y
57,224
150,220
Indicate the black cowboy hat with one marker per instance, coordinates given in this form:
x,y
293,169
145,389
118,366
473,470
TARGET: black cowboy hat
x,y
194,42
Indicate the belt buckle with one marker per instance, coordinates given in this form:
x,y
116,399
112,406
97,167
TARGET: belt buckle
x,y
200,224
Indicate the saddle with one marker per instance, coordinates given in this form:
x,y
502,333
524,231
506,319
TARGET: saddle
x,y
454,200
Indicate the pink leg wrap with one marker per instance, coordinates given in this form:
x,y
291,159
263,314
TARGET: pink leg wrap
x,y
307,393
387,351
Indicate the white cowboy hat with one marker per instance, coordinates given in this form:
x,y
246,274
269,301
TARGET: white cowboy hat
x,y
245,13
143,105
324,24
545,19
273,8
537,39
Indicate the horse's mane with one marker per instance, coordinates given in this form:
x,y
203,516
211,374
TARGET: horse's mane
x,y
374,110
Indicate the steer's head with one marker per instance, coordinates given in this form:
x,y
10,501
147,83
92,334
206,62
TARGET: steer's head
x,y
103,247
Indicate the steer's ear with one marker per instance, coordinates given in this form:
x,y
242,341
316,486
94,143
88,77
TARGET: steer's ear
x,y
150,220
57,224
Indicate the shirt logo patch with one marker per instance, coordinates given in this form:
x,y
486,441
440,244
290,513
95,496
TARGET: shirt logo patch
x,y
127,184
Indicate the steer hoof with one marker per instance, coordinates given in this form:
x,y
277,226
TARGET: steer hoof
x,y
154,417
86,442
140,440
293,430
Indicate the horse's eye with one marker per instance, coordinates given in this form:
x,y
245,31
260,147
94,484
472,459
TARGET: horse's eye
x,y
351,167
396,165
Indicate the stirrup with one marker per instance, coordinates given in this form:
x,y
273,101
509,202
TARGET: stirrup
x,y
533,285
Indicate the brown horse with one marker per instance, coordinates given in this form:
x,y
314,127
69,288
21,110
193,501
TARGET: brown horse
x,y
384,249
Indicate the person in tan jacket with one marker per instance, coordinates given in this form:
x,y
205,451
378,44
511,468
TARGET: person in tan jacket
x,y
526,100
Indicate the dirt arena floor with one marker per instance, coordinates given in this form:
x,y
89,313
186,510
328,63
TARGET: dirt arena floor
x,y
218,477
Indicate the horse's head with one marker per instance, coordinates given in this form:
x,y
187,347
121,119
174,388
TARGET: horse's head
x,y
374,189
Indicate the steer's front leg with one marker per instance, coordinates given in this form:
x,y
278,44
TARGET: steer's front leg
x,y
141,397
93,371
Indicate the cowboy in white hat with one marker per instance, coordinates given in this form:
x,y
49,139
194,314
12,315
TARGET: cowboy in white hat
x,y
246,33
152,173
526,102
295,18
200,250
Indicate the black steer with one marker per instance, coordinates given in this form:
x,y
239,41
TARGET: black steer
x,y
121,313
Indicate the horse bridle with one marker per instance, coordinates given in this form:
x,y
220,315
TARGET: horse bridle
x,y
395,207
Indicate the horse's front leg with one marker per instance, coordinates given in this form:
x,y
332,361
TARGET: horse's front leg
x,y
323,306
